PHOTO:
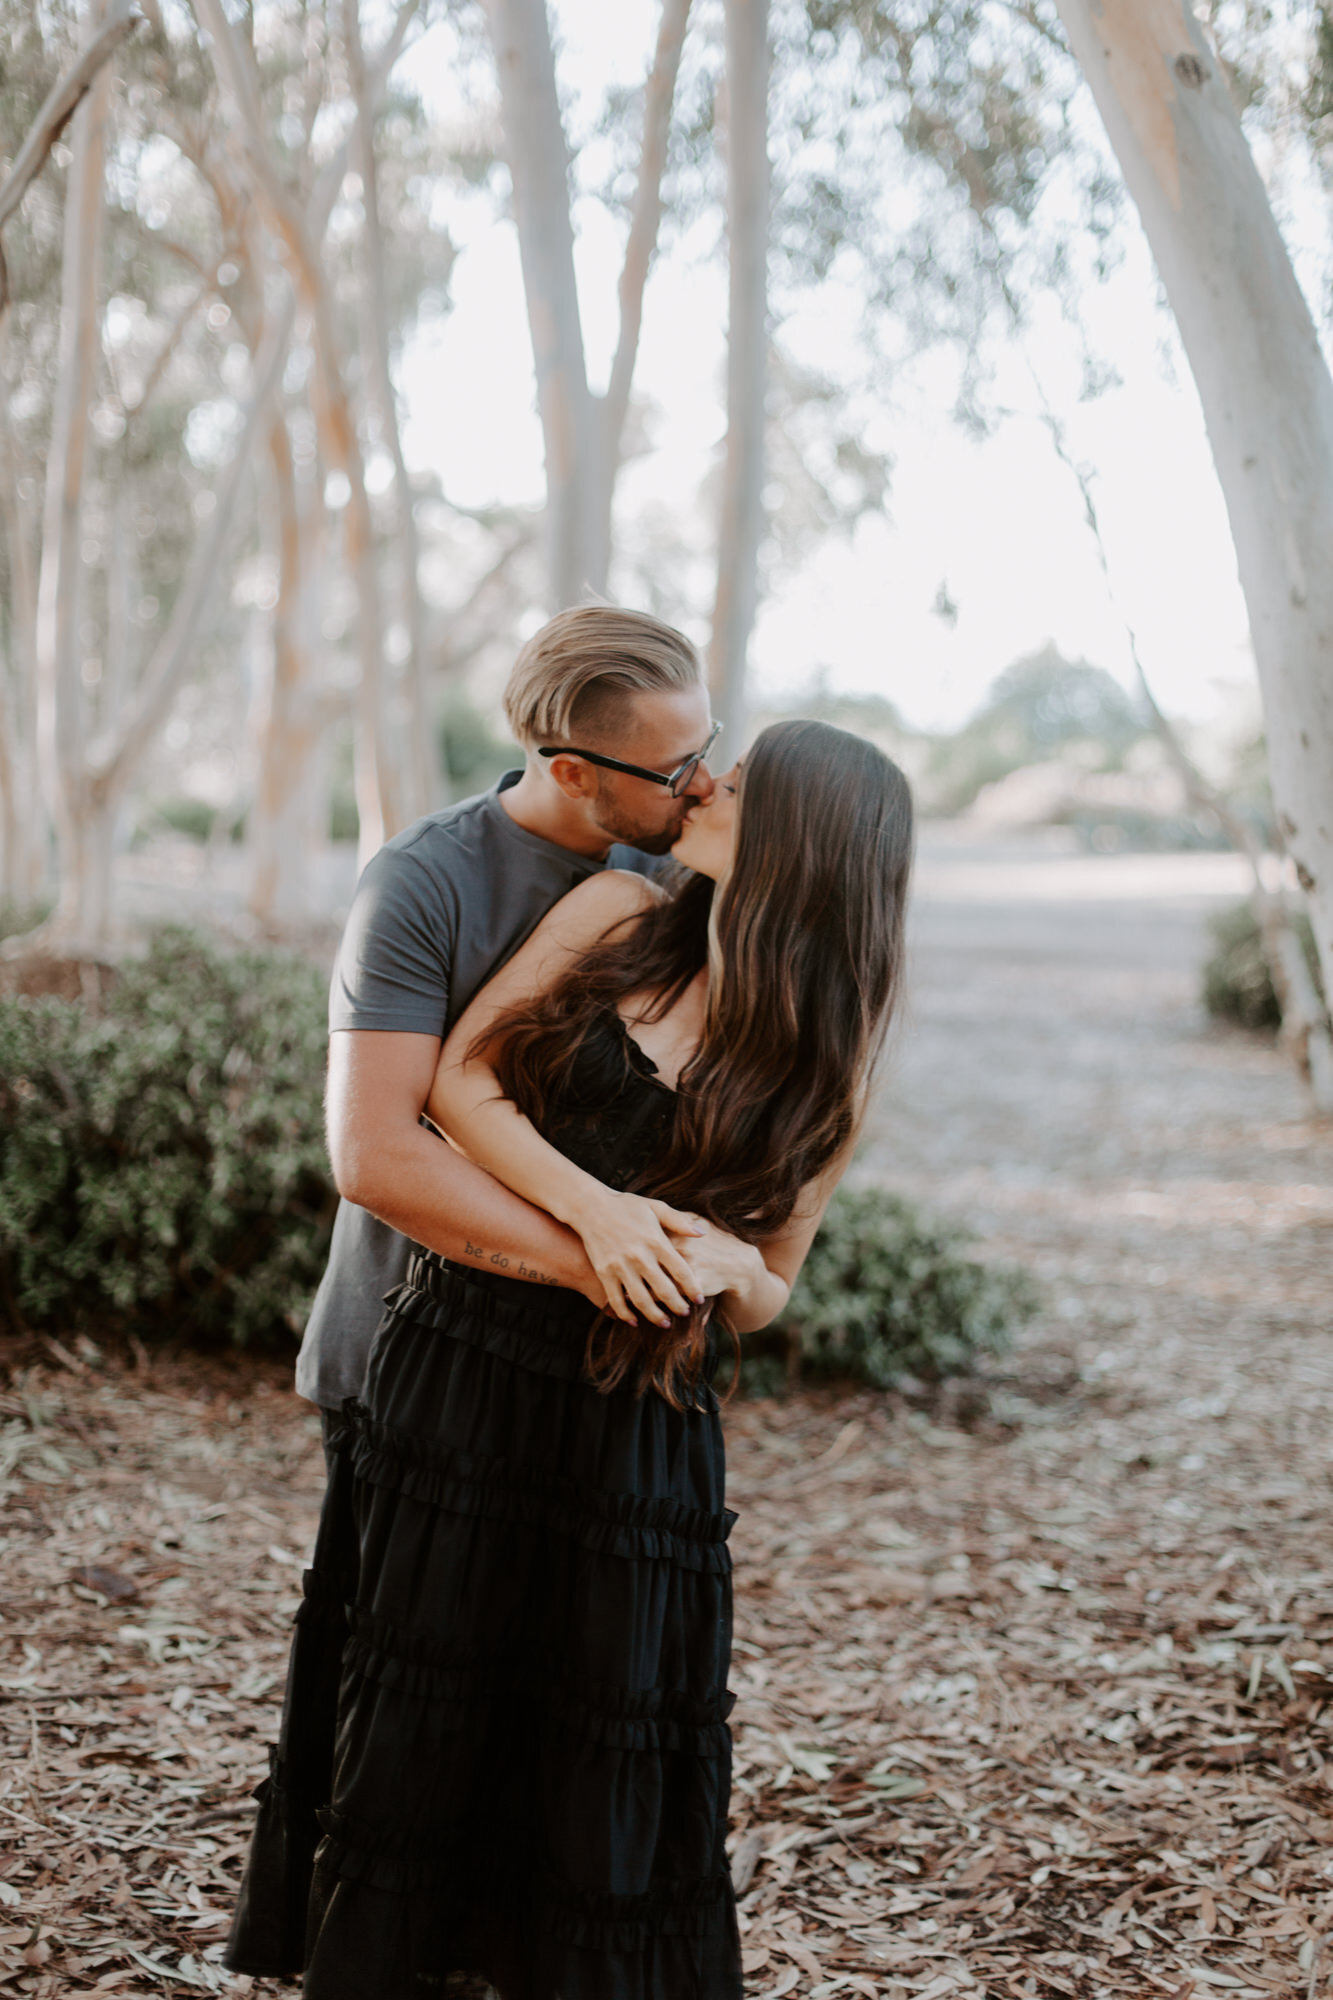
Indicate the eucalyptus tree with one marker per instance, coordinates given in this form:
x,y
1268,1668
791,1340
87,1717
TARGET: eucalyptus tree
x,y
155,364
773,126
96,710
349,218
1263,381
583,433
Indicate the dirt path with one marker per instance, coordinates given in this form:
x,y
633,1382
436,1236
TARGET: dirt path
x,y
1079,1621
1032,1676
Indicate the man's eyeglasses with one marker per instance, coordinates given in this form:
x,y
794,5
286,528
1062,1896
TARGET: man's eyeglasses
x,y
675,781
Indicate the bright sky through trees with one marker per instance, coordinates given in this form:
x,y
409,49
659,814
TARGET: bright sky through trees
x,y
996,521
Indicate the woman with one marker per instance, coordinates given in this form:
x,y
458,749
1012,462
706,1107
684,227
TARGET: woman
x,y
505,1720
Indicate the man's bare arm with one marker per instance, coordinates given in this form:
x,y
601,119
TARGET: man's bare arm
x,y
385,1161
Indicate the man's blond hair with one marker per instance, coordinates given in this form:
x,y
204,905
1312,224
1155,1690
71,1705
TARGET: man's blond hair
x,y
585,665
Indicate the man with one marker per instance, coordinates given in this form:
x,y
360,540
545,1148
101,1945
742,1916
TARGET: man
x,y
614,722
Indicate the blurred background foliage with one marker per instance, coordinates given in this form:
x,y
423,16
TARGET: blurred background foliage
x,y
162,1172
1237,982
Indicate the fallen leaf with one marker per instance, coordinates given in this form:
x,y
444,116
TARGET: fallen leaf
x,y
108,1583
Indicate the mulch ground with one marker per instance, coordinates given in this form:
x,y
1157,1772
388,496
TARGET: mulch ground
x,y
1035,1671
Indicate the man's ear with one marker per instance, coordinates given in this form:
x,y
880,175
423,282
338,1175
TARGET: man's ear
x,y
573,776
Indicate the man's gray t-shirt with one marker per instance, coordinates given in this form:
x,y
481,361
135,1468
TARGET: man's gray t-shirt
x,y
436,912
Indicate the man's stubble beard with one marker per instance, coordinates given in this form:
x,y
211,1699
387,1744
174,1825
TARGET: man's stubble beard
x,y
623,827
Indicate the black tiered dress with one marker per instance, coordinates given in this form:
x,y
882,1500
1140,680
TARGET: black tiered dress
x,y
504,1746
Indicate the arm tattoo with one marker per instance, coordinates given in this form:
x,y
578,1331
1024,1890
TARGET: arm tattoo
x,y
497,1261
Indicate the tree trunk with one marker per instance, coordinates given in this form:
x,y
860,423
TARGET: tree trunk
x,y
423,767
1264,385
114,758
742,522
22,820
280,829
85,782
1305,1028
539,169
378,788
59,684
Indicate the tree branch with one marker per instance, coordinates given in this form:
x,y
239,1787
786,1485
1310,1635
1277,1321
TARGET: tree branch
x,y
169,345
645,220
377,786
175,650
62,101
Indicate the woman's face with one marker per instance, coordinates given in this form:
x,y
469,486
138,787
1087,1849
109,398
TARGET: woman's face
x,y
707,840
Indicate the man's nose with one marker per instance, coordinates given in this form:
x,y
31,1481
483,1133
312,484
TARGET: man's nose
x,y
701,786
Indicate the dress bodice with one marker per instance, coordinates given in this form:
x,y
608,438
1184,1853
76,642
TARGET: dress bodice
x,y
613,1116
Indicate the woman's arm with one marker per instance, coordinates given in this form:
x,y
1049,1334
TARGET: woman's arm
x,y
756,1278
625,1235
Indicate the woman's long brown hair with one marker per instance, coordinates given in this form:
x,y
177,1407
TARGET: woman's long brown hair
x,y
804,940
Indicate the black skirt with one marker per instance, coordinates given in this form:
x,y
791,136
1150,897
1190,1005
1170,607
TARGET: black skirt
x,y
504,1746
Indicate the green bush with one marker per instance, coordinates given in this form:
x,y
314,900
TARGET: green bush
x,y
885,1294
1237,984
15,918
162,1168
162,1165
195,818
472,754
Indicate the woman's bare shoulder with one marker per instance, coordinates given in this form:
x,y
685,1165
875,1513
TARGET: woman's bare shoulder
x,y
606,898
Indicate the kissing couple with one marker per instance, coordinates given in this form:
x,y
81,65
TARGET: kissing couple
x,y
586,1108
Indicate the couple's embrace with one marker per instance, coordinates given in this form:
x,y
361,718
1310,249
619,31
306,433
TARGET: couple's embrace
x,y
504,1746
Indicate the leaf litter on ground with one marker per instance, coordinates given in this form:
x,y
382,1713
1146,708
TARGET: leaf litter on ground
x,y
1035,1670
1029,1705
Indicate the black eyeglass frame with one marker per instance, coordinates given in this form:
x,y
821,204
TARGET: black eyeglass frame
x,y
675,781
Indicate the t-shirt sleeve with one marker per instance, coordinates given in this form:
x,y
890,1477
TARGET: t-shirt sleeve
x,y
395,961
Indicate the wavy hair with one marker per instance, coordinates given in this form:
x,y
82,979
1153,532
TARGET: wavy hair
x,y
804,943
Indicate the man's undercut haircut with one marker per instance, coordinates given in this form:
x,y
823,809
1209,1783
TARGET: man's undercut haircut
x,y
574,679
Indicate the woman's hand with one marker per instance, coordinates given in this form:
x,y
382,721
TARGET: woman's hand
x,y
719,1262
627,1238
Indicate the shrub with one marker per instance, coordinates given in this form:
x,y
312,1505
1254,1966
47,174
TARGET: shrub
x,y
162,1167
15,918
885,1294
162,1164
1237,984
195,818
